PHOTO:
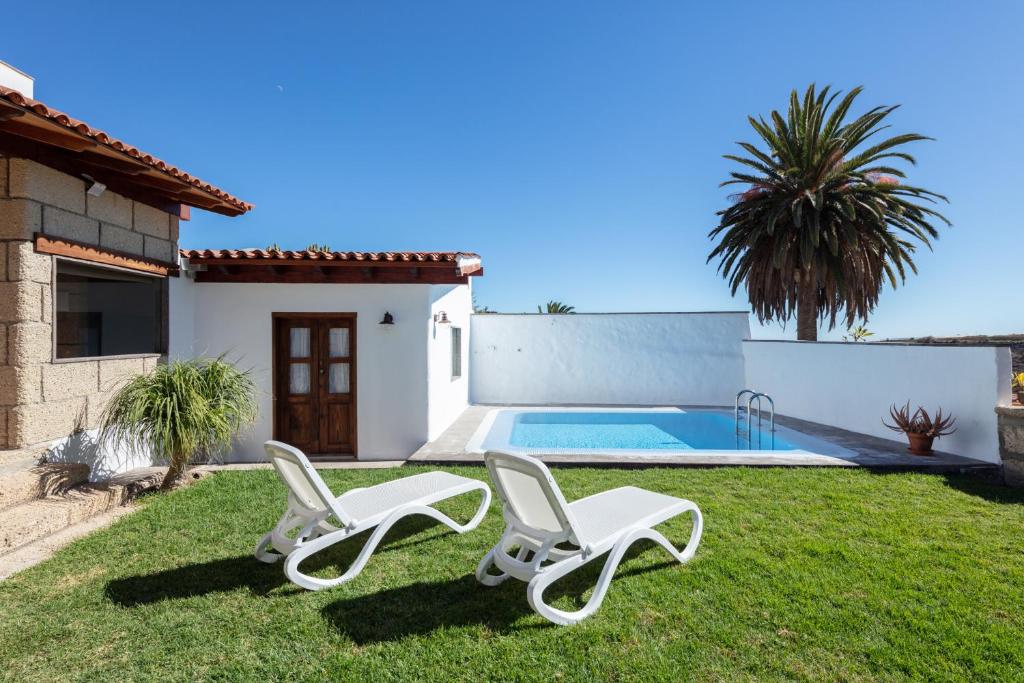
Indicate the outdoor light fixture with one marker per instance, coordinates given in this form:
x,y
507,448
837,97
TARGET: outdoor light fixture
x,y
441,318
388,319
96,188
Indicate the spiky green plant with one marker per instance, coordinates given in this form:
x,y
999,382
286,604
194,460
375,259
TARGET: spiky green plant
x,y
180,411
556,307
824,220
858,333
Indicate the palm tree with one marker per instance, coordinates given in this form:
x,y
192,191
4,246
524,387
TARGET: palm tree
x,y
556,307
181,410
825,218
858,333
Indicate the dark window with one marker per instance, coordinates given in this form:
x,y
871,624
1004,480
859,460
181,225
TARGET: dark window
x,y
456,352
106,312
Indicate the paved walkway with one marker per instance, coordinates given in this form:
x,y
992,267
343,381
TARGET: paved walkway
x,y
871,452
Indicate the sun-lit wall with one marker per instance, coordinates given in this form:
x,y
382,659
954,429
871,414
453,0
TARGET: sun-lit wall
x,y
852,386
608,359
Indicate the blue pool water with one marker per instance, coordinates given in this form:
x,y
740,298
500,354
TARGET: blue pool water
x,y
637,431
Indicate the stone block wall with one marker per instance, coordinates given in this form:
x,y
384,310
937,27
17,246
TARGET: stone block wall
x,y
1011,443
42,400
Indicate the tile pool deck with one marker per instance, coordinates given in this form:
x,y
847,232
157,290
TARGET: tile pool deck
x,y
872,452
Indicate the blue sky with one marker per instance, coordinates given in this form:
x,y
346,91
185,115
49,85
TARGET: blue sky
x,y
577,146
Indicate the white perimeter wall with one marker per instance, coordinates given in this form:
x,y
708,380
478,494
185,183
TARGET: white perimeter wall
x,y
608,359
393,400
852,386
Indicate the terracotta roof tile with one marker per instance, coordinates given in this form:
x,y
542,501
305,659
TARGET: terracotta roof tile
x,y
306,255
59,117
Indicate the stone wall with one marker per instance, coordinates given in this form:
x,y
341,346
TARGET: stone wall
x,y
41,400
1011,443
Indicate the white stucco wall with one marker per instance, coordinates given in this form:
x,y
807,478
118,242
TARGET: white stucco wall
x,y
852,386
608,359
181,318
448,396
391,365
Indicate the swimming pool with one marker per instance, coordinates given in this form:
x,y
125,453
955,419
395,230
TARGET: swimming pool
x,y
636,431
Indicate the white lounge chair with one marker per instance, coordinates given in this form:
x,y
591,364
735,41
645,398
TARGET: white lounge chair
x,y
306,526
551,538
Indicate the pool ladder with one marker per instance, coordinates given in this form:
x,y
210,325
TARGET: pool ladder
x,y
754,396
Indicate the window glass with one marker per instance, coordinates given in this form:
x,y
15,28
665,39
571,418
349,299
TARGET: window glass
x,y
106,312
299,337
456,352
337,379
298,378
338,342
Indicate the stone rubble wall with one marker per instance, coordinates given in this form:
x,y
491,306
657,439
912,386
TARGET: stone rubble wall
x,y
43,400
1011,443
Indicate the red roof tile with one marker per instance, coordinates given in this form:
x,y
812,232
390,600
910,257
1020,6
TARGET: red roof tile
x,y
305,255
37,107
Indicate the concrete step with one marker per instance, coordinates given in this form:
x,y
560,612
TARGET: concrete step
x,y
37,519
29,453
37,551
25,484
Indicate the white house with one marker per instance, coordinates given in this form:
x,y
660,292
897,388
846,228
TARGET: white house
x,y
354,354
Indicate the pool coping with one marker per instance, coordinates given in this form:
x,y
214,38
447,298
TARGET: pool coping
x,y
872,452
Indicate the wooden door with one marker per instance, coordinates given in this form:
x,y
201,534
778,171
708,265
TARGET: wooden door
x,y
314,382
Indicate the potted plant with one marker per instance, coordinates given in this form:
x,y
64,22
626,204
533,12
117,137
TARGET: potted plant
x,y
180,411
921,429
1018,385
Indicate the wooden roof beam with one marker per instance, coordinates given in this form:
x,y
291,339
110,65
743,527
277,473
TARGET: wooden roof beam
x,y
49,135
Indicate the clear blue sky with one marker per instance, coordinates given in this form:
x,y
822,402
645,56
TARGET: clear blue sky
x,y
576,146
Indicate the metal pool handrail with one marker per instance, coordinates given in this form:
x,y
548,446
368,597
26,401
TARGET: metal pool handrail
x,y
736,416
771,403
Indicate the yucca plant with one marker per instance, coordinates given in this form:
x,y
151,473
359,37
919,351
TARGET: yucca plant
x,y
180,411
556,307
825,218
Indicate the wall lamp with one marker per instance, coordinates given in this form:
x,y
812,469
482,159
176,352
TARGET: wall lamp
x,y
96,188
441,318
388,319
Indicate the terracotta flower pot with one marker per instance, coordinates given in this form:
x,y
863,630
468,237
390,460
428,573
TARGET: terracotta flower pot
x,y
920,444
1020,397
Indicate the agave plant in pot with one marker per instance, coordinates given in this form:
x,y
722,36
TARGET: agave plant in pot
x,y
181,411
921,428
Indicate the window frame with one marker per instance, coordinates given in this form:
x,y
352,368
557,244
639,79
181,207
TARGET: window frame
x,y
456,353
163,314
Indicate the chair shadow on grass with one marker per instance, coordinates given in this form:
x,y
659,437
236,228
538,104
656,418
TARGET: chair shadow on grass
x,y
426,606
244,571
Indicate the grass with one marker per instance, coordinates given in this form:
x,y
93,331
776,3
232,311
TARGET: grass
x,y
803,574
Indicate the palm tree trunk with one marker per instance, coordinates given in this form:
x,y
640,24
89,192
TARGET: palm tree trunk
x,y
175,470
807,307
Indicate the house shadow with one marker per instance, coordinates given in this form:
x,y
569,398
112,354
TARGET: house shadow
x,y
986,484
227,574
988,487
425,606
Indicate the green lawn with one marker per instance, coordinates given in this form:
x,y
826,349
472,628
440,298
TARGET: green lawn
x,y
803,574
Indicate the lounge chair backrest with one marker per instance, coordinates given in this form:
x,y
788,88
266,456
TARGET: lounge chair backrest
x,y
306,487
530,494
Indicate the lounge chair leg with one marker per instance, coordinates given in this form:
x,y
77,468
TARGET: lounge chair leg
x,y
495,579
537,586
291,565
261,550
